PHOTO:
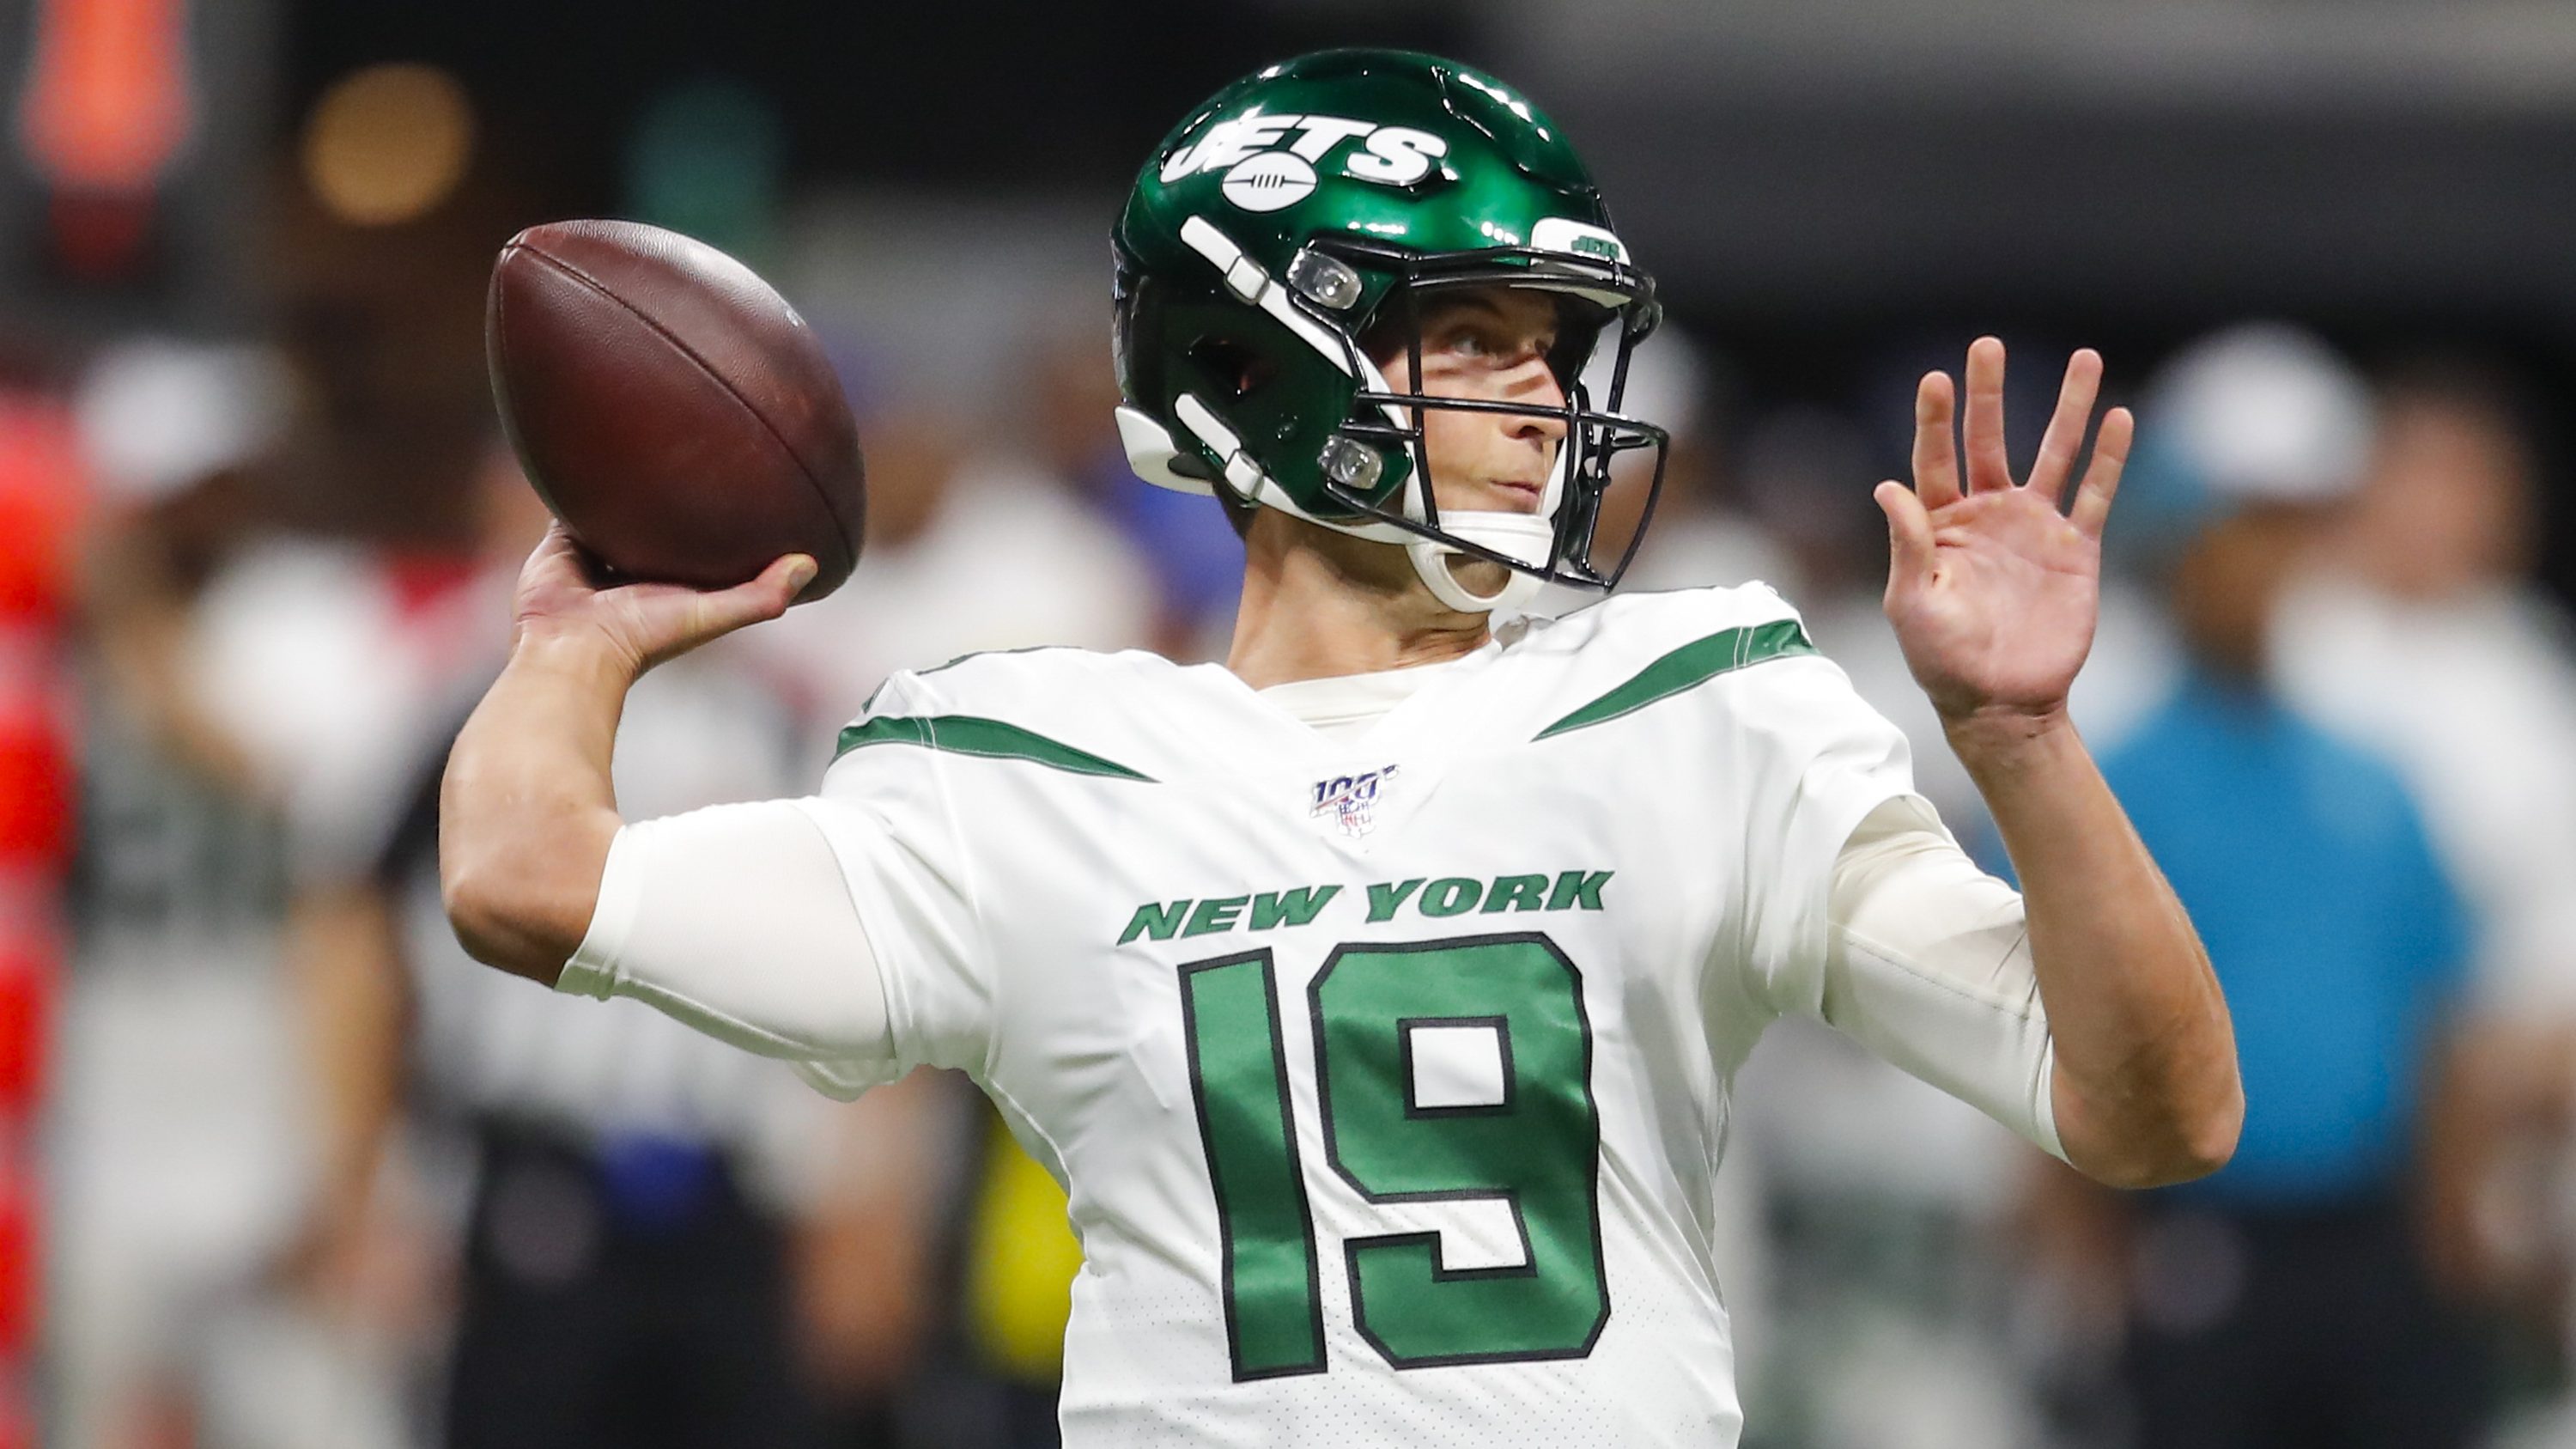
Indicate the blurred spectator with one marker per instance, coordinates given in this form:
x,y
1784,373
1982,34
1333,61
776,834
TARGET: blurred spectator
x,y
1184,542
2422,635
627,1271
1703,531
168,428
179,1179
2285,1299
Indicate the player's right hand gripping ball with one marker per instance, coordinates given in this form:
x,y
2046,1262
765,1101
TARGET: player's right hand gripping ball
x,y
671,408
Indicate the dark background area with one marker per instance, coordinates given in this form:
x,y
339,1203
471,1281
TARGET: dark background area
x,y
1800,228
1809,209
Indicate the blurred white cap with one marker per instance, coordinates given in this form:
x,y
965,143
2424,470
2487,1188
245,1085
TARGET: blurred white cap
x,y
159,414
2262,413
1668,380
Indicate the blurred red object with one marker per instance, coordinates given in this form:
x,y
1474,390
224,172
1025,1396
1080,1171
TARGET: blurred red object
x,y
21,1262
36,767
42,496
108,106
30,969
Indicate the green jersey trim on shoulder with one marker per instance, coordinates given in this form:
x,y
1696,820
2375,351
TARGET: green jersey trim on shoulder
x,y
1685,668
991,739
974,654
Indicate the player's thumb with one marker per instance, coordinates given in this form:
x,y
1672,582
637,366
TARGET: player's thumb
x,y
1909,534
766,597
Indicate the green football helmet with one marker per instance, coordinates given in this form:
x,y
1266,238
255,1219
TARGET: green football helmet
x,y
1319,202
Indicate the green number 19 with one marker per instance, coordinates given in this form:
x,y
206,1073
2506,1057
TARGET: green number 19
x,y
1511,1119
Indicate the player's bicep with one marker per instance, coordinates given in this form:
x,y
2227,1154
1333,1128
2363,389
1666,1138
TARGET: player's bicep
x,y
1928,965
735,920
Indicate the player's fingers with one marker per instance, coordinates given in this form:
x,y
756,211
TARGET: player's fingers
x,y
555,553
553,579
1989,467
1909,538
2065,432
1936,449
2102,479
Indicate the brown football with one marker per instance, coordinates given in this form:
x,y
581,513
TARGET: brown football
x,y
670,407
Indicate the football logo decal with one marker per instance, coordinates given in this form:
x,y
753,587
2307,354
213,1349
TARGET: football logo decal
x,y
1269,181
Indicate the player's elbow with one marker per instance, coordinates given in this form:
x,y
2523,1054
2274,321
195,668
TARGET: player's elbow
x,y
519,902
2214,1139
490,913
2162,1143
2191,1148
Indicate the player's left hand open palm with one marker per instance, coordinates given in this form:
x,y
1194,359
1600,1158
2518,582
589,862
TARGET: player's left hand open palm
x,y
1992,590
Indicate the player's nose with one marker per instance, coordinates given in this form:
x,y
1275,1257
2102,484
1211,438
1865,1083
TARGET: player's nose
x,y
1540,392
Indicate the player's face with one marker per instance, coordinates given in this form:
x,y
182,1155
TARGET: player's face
x,y
1491,344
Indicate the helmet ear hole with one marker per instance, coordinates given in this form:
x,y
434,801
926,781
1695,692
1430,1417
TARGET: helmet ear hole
x,y
1231,365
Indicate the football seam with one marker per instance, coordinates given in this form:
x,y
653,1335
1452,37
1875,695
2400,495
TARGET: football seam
x,y
821,495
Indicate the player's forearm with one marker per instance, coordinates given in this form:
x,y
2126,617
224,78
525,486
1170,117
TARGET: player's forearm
x,y
2146,1089
526,811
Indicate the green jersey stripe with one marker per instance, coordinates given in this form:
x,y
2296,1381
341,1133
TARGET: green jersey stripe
x,y
1687,667
991,739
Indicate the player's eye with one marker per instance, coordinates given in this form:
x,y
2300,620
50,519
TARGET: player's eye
x,y
1482,339
1453,335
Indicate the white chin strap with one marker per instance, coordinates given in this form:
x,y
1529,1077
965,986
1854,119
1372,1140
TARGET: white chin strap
x,y
1523,536
1529,538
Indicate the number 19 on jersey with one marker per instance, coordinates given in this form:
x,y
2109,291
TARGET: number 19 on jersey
x,y
1511,1119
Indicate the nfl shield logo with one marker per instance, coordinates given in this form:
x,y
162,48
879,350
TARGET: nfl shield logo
x,y
1351,800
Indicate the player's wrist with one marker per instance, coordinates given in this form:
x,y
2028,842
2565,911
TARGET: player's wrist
x,y
576,651
1996,739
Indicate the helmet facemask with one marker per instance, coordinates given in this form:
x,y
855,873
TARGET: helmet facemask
x,y
1558,543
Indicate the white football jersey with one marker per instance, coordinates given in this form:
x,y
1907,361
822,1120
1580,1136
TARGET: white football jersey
x,y
1387,1073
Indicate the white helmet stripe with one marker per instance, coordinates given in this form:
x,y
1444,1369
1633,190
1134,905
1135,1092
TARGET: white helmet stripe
x,y
1244,477
1245,278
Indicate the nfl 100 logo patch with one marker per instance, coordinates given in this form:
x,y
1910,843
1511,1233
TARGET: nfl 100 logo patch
x,y
1351,800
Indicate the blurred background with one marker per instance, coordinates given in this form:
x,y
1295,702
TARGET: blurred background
x,y
279,1167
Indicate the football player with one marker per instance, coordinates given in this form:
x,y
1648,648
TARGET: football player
x,y
1377,994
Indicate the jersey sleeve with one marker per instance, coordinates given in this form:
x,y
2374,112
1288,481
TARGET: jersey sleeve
x,y
1928,965
1864,914
733,920
893,823
1810,761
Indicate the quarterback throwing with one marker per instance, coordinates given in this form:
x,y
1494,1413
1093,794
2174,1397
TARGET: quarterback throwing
x,y
1377,995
